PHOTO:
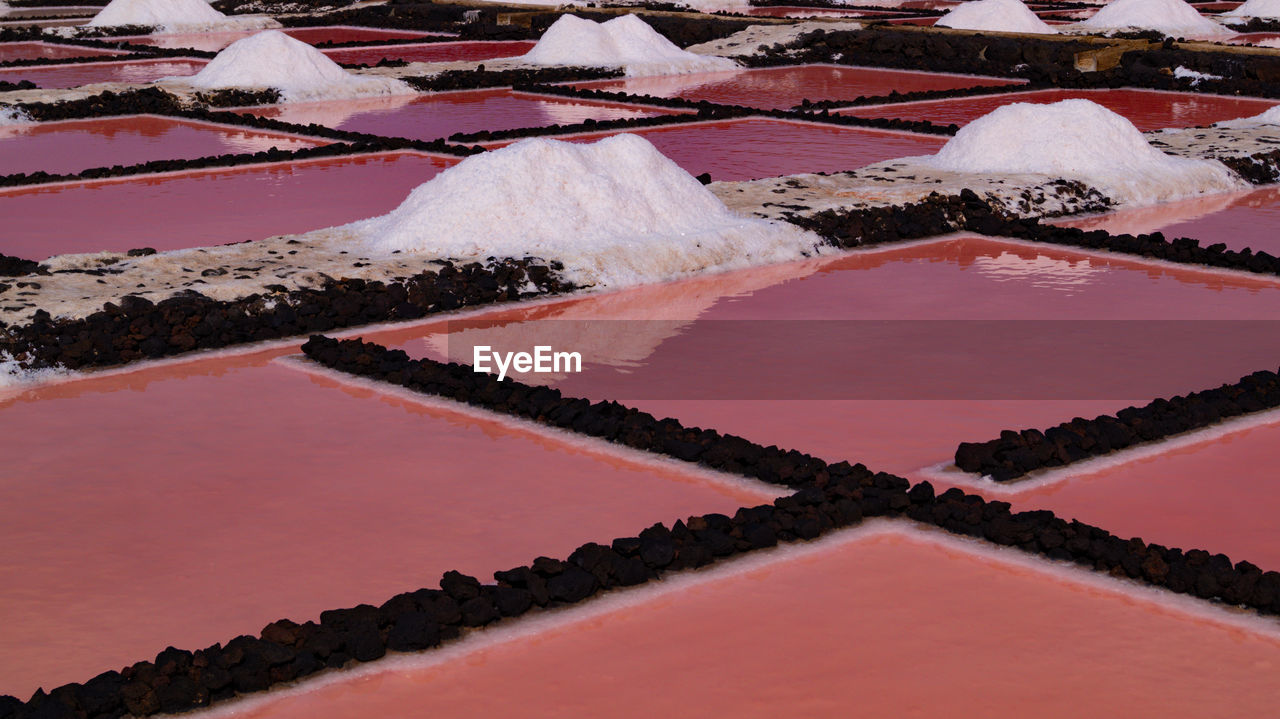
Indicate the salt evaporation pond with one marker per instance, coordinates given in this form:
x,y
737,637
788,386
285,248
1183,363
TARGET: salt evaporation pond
x,y
437,115
1146,109
901,415
92,73
752,148
279,494
214,41
429,52
790,11
10,51
74,145
785,87
210,207
1238,220
892,624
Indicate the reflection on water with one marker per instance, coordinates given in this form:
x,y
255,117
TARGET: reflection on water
x,y
75,75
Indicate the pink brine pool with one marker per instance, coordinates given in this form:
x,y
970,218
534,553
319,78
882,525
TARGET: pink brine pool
x,y
208,208
1147,109
754,148
429,52
889,625
92,73
75,145
437,115
214,41
785,87
187,505
47,51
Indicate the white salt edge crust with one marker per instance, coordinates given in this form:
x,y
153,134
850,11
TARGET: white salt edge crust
x,y
1079,139
616,213
13,116
625,41
272,59
1270,117
1265,9
1171,17
995,16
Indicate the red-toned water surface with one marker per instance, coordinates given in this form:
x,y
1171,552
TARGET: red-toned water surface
x,y
1146,109
188,504
1238,220
906,379
1262,39
74,145
89,73
1217,494
753,148
885,626
214,41
436,115
48,51
785,87
429,52
208,208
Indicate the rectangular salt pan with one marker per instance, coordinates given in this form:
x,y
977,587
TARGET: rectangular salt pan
x,y
785,87
47,51
75,145
208,207
92,73
214,41
1146,109
189,504
429,52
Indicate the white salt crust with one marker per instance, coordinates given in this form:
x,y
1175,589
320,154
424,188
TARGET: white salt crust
x,y
1270,117
627,42
615,212
995,16
272,59
1171,17
1079,139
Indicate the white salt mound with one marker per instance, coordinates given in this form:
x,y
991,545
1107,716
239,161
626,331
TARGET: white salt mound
x,y
625,41
1171,17
157,13
995,16
1270,117
1266,9
1079,139
615,212
272,59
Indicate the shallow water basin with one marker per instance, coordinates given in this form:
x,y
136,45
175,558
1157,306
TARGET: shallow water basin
x,y
48,51
75,145
438,115
429,52
786,87
214,41
190,503
91,73
1146,109
209,207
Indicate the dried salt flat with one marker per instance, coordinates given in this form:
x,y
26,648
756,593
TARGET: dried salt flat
x,y
756,38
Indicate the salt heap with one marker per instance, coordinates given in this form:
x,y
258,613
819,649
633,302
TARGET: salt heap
x,y
1270,117
157,13
1265,9
995,16
615,212
1171,17
1079,139
272,59
625,41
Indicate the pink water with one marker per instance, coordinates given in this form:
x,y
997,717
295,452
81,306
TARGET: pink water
x,y
214,41
437,115
47,51
1238,220
753,148
887,626
75,75
785,87
74,145
208,208
1148,110
1219,495
430,52
1266,39
189,504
